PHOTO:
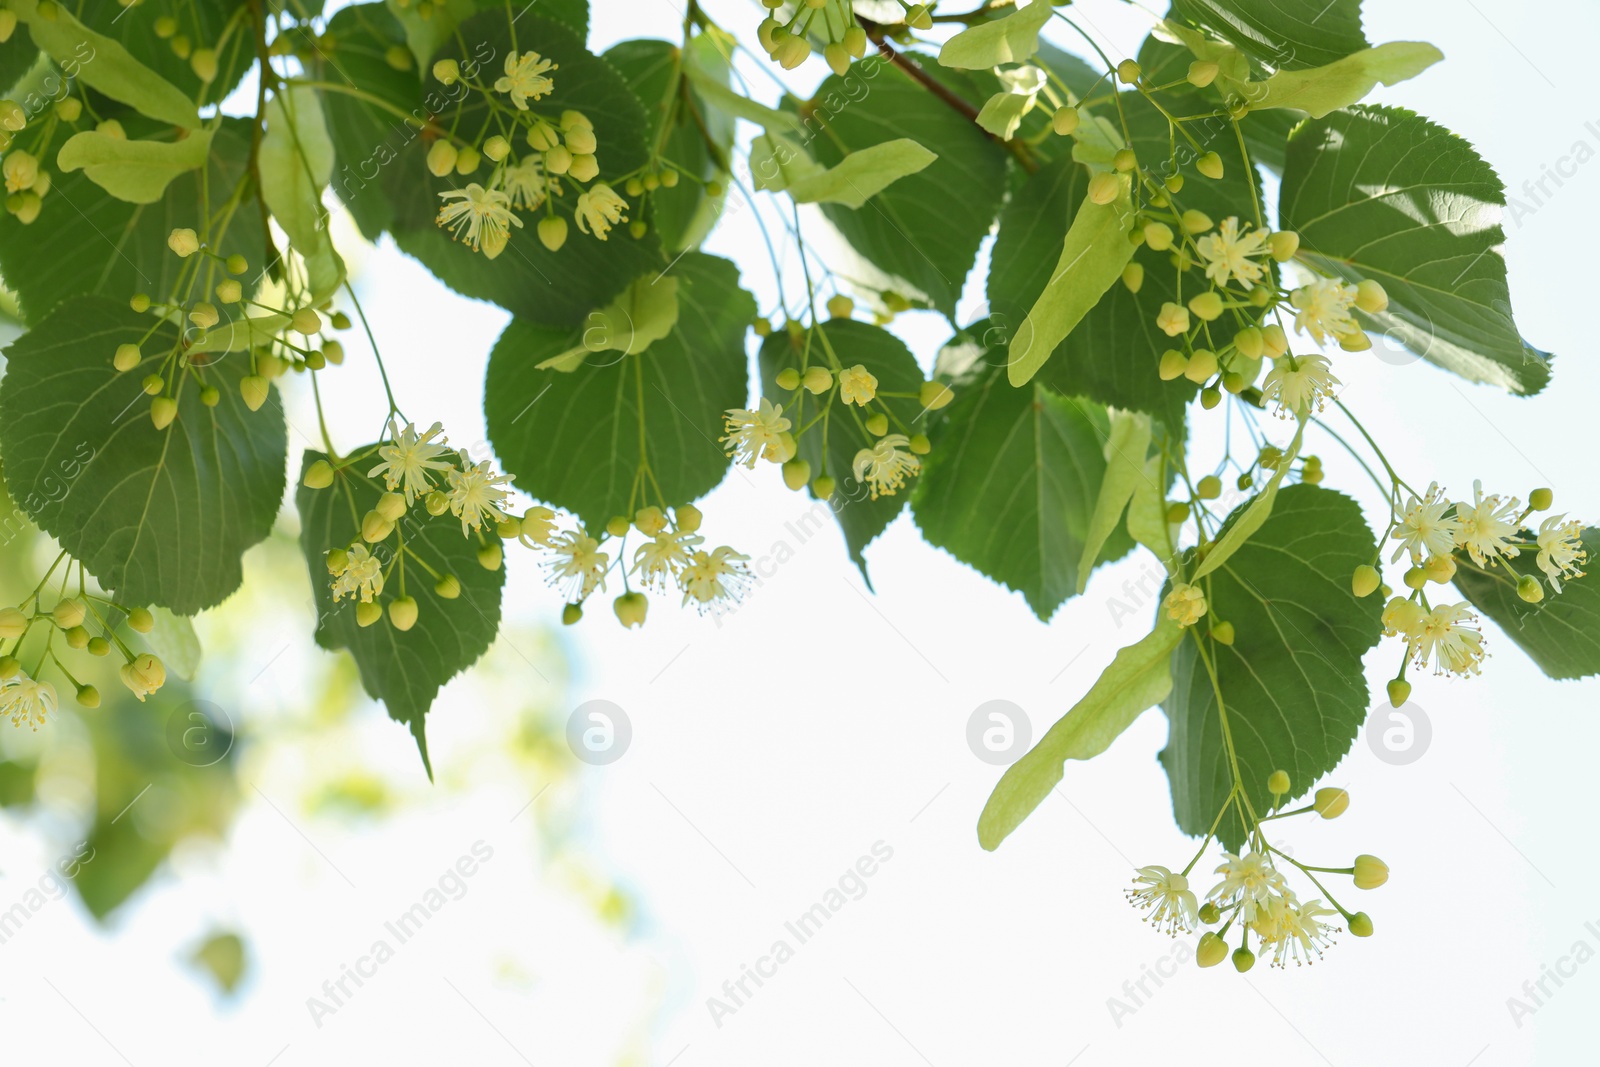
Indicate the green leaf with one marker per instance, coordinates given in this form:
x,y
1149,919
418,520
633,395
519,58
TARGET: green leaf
x,y
98,244
1381,193
102,63
296,161
573,438
1322,90
159,516
924,230
1561,633
17,58
886,358
1093,255
1127,444
1010,486
136,171
1282,34
683,214
406,669
1291,682
1012,39
862,174
1138,678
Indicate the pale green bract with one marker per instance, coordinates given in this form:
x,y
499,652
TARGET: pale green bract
x,y
1013,39
136,171
645,313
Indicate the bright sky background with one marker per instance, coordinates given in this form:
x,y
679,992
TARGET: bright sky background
x,y
773,750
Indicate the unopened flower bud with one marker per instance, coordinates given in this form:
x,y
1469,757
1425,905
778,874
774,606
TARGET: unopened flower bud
x,y
1223,633
448,587
1364,581
934,395
1278,782
368,613
1529,589
141,621
1104,187
1173,365
1211,951
617,525
822,487
306,321
1210,164
1399,692
1133,277
441,158
391,506
1207,306
1283,245
553,232
1360,924
1201,366
1243,959
497,148
877,424
403,613
1370,296
1195,221
88,696
184,241
919,444
77,638
571,613
436,502
13,624
1202,72
163,409
1370,872
127,357
1331,802
1541,499
817,380
447,71
1158,235
1128,71
490,555
1065,121
586,168
204,64
688,518
10,667
796,473
631,609
253,389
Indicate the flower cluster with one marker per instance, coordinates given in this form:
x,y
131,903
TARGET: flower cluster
x,y
415,469
845,400
535,155
85,623
1437,536
288,338
23,140
1254,893
832,22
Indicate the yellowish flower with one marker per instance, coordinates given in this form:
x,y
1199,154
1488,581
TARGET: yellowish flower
x,y
1444,635
662,558
1324,308
715,577
526,184
579,567
758,434
1186,604
525,78
1487,526
1425,530
886,465
143,675
360,577
1299,384
1561,551
599,209
476,493
1166,896
1229,253
27,701
481,217
857,385
408,458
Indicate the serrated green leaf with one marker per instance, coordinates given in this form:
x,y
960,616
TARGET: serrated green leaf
x,y
158,516
1381,193
1010,486
136,171
1012,39
572,439
295,162
1138,679
885,357
1561,633
406,669
1282,34
923,231
1291,682
99,244
1322,90
103,64
1093,255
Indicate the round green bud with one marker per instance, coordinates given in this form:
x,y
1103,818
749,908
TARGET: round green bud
x,y
1370,872
497,148
1128,71
69,613
1331,802
1207,306
1364,582
141,621
935,395
1243,959
1360,924
1278,782
210,396
1065,121
1158,235
1104,187
1201,366
139,302
1283,245
571,613
1202,72
1194,221
1210,164
877,424
1399,691
77,638
796,473
1370,296
390,505
1209,913
447,71
822,487
631,609
1173,365
617,525
1209,487
788,379
337,560
1124,160
1223,633
1177,512
1530,589
920,445
127,357
448,587
841,306
403,613
88,696
376,527
1133,275
1541,499
490,555
318,476
1211,951
237,264
553,232
368,613
99,646
1416,578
